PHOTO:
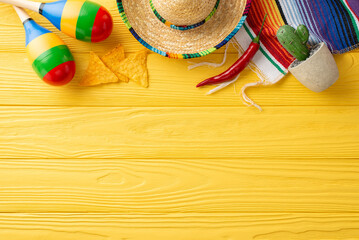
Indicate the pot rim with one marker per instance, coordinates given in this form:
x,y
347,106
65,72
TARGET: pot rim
x,y
322,44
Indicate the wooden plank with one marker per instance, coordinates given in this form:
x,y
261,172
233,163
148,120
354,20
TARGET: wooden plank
x,y
13,39
171,84
231,132
179,226
179,186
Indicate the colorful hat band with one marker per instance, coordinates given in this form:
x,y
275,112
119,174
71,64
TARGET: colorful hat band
x,y
183,28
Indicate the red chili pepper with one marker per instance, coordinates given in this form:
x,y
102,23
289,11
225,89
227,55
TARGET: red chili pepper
x,y
239,65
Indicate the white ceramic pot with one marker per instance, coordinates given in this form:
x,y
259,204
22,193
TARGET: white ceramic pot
x,y
318,72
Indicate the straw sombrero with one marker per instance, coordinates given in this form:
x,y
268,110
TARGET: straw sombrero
x,y
183,28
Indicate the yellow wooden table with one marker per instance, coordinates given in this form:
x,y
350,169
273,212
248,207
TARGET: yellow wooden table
x,y
119,162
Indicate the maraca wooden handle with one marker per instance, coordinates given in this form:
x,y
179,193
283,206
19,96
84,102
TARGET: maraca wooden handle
x,y
34,6
22,14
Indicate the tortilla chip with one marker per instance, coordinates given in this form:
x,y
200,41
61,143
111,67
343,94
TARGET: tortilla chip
x,y
135,68
112,60
97,73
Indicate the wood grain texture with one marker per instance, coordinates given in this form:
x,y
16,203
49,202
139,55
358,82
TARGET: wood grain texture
x,y
173,87
179,186
179,226
232,132
118,162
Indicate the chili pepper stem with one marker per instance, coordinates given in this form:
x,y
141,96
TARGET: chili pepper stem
x,y
256,39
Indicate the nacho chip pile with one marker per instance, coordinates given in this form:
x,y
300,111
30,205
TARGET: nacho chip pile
x,y
115,67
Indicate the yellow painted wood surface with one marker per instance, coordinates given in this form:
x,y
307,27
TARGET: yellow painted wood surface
x,y
118,162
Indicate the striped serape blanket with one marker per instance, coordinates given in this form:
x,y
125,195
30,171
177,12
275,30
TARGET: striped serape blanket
x,y
335,22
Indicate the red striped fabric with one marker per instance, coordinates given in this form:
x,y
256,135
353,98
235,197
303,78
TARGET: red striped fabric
x,y
273,23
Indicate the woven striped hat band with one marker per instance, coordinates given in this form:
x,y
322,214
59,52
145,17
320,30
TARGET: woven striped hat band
x,y
184,14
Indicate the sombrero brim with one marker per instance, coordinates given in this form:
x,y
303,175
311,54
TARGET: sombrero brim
x,y
205,39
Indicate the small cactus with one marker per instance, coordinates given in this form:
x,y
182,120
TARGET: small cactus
x,y
295,41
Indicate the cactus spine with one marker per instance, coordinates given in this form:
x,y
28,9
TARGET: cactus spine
x,y
295,41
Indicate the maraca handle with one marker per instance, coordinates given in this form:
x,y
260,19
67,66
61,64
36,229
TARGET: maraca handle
x,y
22,14
34,6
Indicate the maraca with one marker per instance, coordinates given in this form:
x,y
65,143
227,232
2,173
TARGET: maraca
x,y
84,20
50,57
